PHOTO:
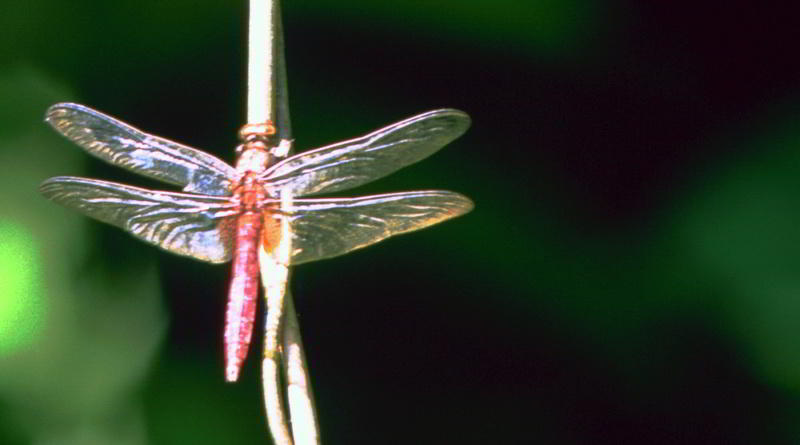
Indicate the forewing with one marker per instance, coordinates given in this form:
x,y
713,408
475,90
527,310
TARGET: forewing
x,y
120,144
324,228
357,161
185,224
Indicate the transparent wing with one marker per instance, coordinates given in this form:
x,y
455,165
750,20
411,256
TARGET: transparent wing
x,y
324,228
120,144
190,225
354,162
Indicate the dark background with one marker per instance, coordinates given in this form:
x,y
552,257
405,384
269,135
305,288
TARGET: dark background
x,y
631,272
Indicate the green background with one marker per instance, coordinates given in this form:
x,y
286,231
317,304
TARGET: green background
x,y
631,272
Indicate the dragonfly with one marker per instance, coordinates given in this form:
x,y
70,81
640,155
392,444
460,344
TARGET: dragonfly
x,y
226,212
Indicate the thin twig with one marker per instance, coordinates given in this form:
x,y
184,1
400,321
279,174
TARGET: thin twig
x,y
274,275
261,109
305,429
298,385
261,61
267,100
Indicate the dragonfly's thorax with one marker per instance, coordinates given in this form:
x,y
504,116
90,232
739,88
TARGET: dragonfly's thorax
x,y
249,192
254,153
254,158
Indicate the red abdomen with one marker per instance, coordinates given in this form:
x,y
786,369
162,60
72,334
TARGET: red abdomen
x,y
241,311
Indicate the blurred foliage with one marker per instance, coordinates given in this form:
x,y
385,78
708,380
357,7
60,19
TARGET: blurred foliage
x,y
20,306
554,28
76,339
741,234
630,273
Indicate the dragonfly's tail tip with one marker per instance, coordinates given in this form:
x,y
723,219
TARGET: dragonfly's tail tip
x,y
231,374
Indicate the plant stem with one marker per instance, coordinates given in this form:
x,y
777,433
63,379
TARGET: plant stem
x,y
298,385
267,100
261,61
